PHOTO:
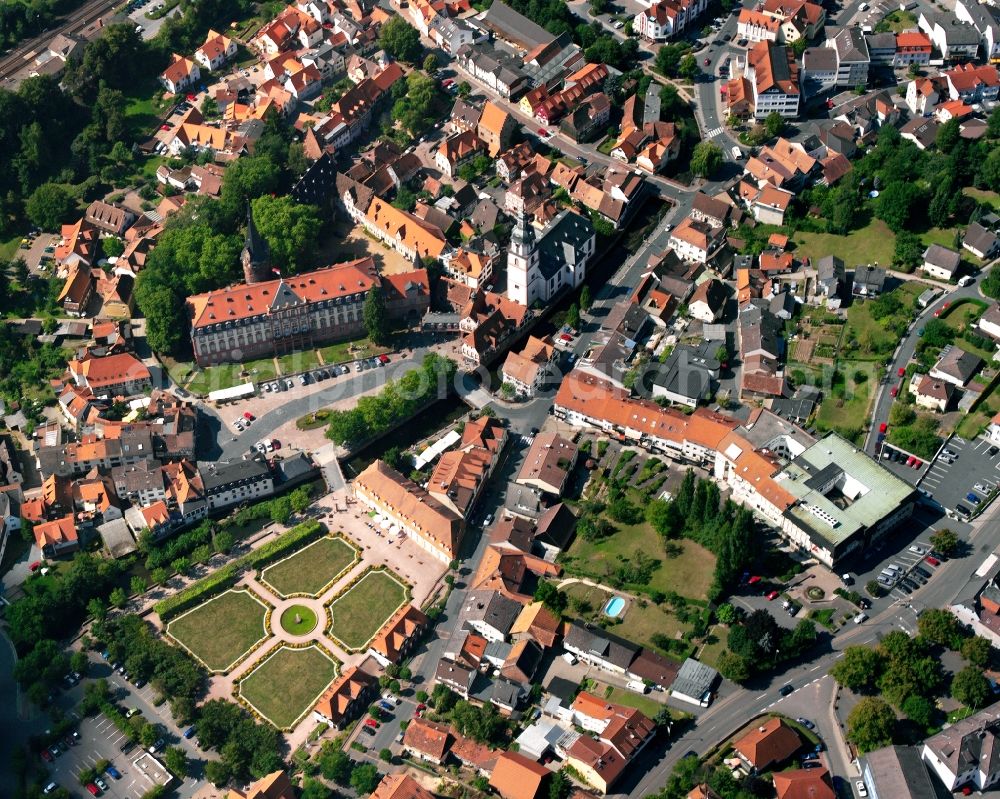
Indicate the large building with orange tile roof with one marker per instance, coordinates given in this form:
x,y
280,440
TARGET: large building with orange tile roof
x,y
407,234
434,526
770,743
400,635
275,785
460,475
57,537
116,375
253,320
346,698
495,128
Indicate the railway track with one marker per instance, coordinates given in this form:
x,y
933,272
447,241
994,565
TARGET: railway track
x,y
75,21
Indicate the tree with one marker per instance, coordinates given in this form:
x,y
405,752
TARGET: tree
x,y
668,59
858,669
945,541
291,230
552,597
247,179
373,313
940,627
118,597
948,135
573,316
364,778
726,613
431,64
585,300
97,609
976,650
688,67
971,688
899,205
920,710
137,584
400,40
314,789
385,754
706,159
176,760
871,723
217,772
559,786
774,124
49,206
909,251
734,667
334,764
281,510
299,499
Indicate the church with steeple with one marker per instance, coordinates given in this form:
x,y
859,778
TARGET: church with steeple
x,y
538,269
256,255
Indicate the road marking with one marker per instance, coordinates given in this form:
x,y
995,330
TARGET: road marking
x,y
714,132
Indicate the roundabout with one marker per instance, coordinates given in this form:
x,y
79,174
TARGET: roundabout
x,y
297,620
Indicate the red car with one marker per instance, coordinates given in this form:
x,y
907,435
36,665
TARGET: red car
x,y
421,706
901,371
248,416
707,61
565,337
35,566
93,789
190,98
164,127
383,359
917,463
910,460
275,443
754,580
893,391
46,755
883,427
932,561
772,596
371,723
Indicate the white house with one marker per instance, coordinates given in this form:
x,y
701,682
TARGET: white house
x,y
216,51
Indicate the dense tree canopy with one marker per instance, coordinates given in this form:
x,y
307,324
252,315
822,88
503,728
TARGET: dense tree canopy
x,y
400,40
871,724
291,230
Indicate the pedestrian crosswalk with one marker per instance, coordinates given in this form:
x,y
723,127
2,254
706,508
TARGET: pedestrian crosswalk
x,y
714,132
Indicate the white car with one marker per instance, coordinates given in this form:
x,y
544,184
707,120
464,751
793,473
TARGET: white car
x,y
862,790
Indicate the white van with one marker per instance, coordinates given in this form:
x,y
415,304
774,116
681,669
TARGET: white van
x,y
968,280
569,657
638,686
860,618
737,153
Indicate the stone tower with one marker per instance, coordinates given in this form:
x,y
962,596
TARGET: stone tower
x,y
522,261
256,255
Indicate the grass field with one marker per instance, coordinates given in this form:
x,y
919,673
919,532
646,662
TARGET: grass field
x,y
312,568
296,362
287,684
351,350
298,620
689,574
899,21
874,242
365,607
989,197
222,629
710,652
845,407
227,375
639,624
620,696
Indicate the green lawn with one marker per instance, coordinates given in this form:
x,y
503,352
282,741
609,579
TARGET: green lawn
x,y
365,607
288,683
227,375
873,339
222,629
351,350
845,406
311,569
874,242
710,652
641,702
143,107
298,620
899,21
639,624
296,362
689,574
990,197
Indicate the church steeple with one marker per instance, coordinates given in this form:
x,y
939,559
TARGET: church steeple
x,y
522,239
256,255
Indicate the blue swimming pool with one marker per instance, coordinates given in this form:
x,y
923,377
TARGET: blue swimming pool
x,y
614,607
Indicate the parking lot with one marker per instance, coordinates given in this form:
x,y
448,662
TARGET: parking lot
x,y
951,480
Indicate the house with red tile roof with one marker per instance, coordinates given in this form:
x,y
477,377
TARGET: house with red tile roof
x,y
180,75
517,777
57,537
495,128
814,783
216,51
770,743
399,636
427,740
121,374
400,786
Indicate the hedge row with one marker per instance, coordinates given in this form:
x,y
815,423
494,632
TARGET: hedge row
x,y
226,577
196,593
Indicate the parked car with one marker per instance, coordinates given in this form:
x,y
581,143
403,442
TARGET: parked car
x,y
100,783
93,789
772,596
862,790
806,723
785,690
918,550
111,771
49,788
189,733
